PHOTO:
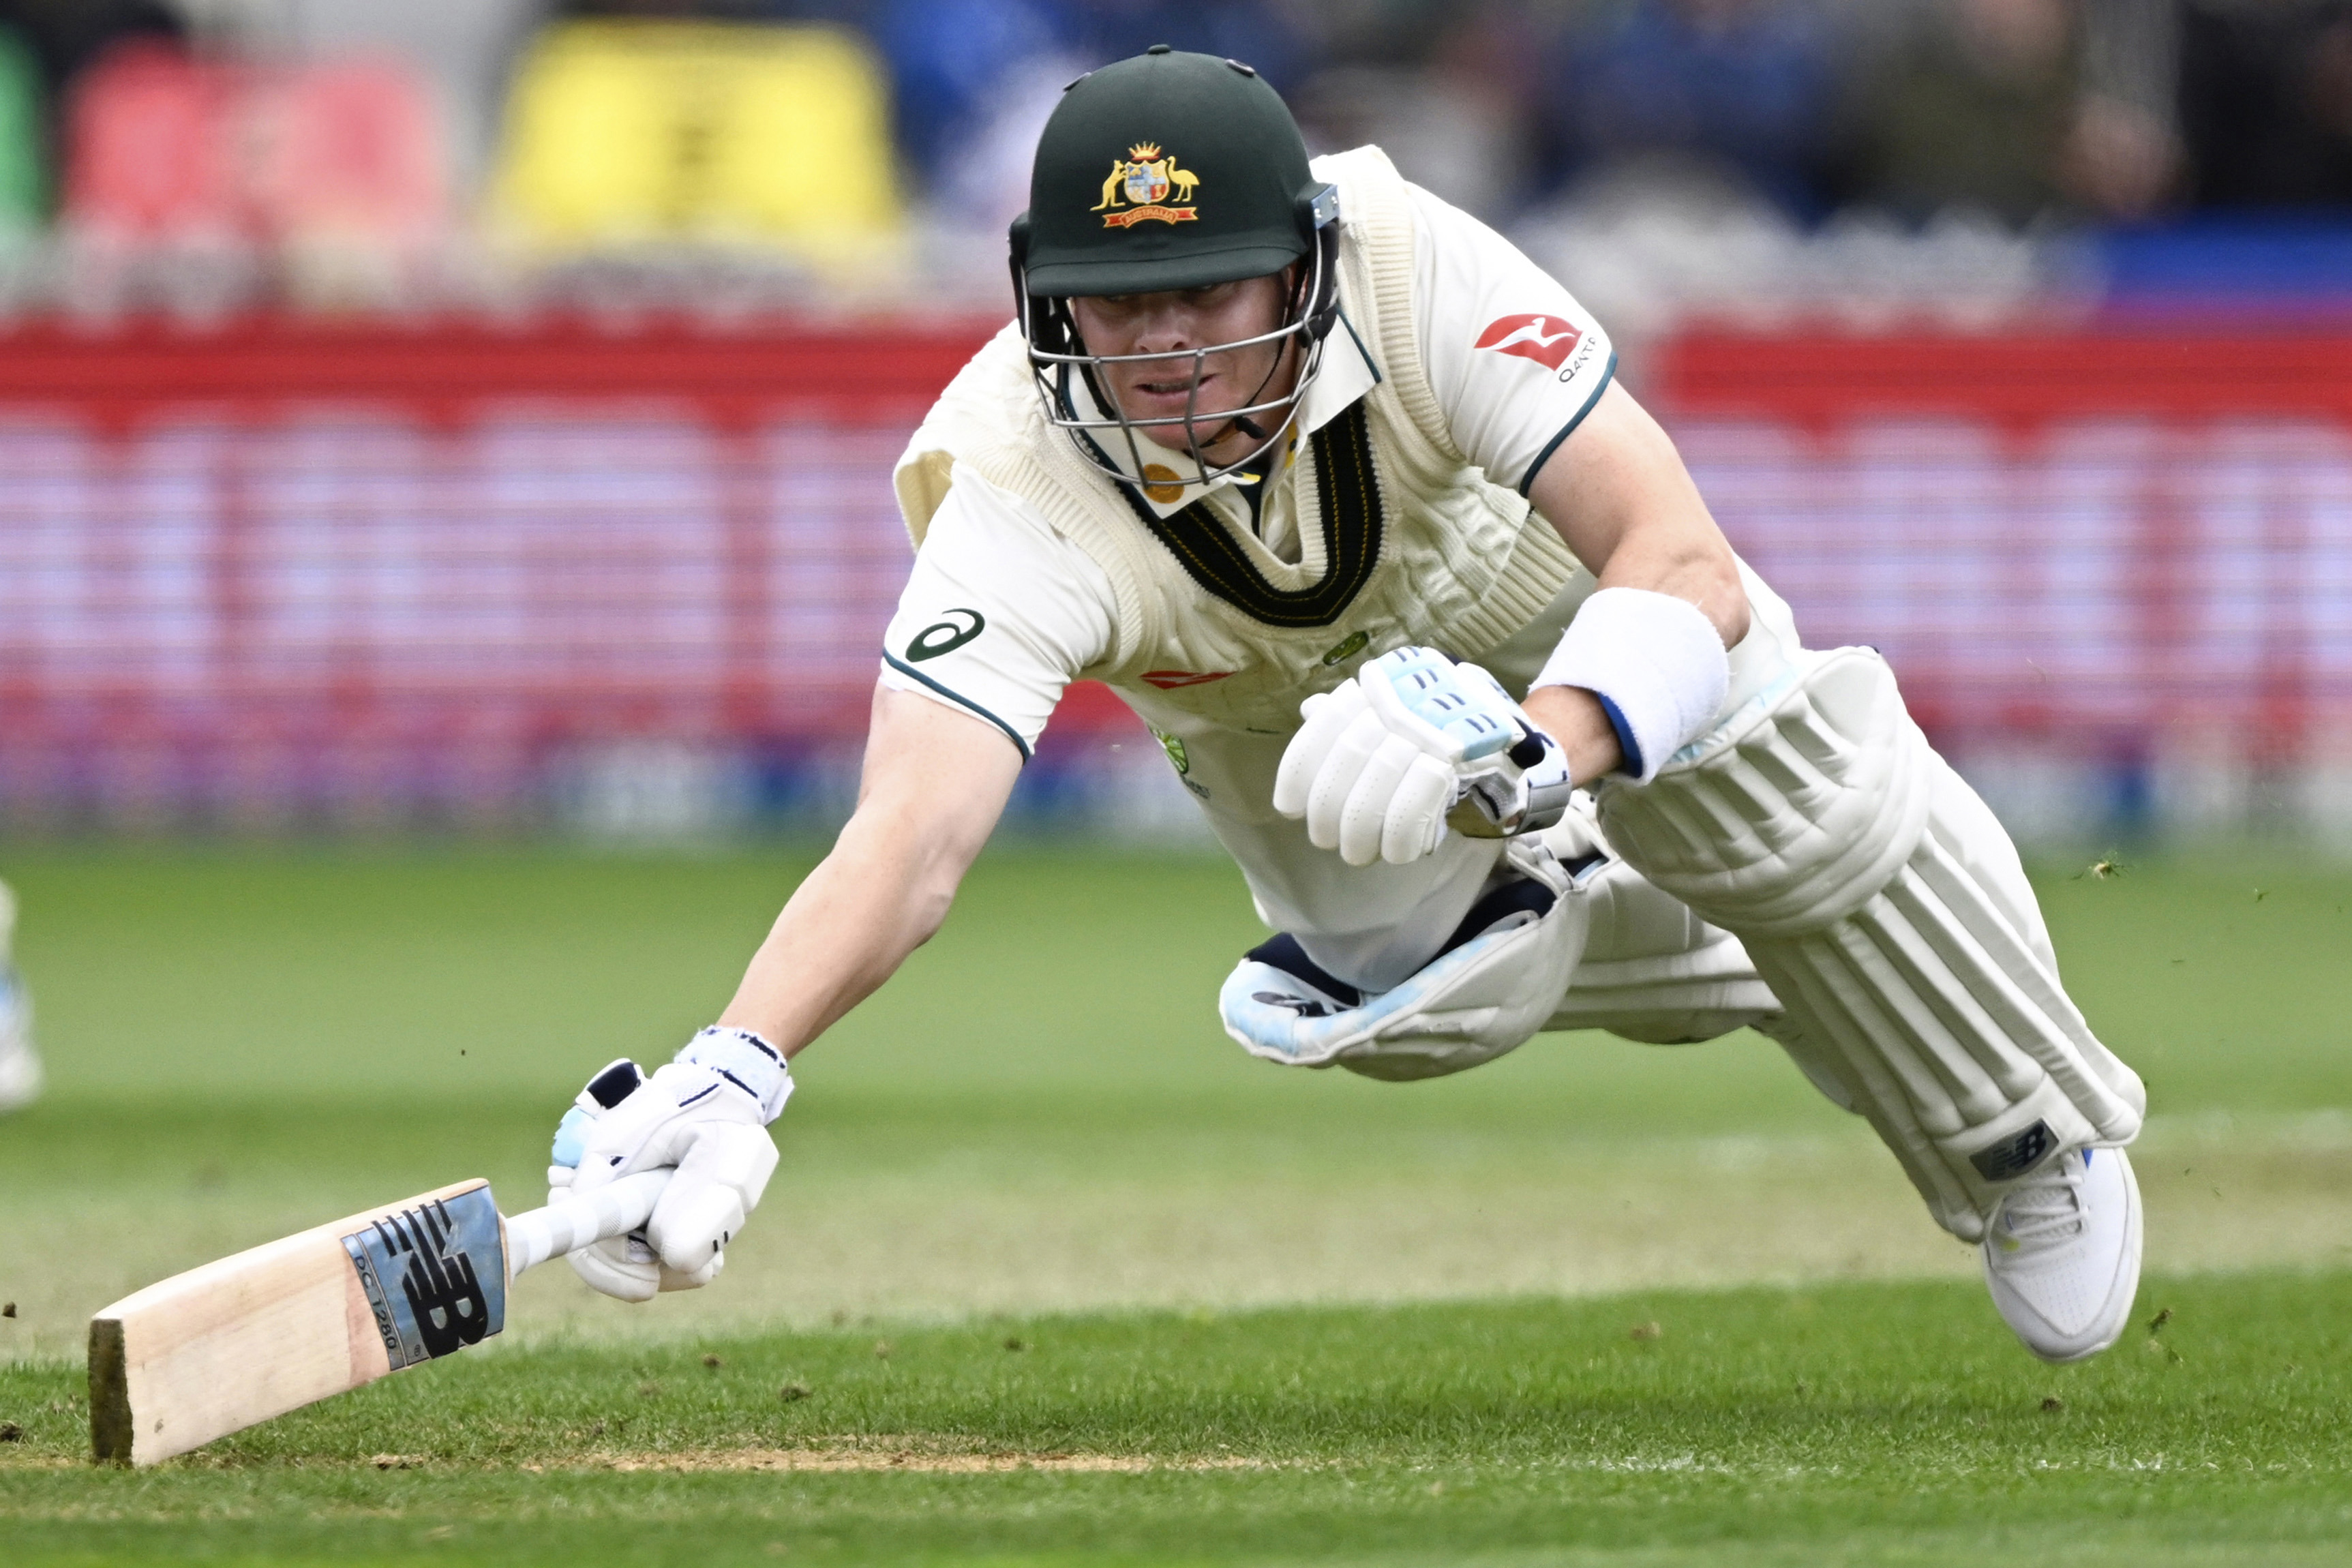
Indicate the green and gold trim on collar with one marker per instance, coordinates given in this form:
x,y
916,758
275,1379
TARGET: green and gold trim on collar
x,y
1350,496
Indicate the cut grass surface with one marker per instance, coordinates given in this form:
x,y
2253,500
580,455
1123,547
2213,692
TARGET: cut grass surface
x,y
277,976
1850,1423
1041,1113
1041,1116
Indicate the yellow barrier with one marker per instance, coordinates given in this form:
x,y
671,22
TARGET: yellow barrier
x,y
621,133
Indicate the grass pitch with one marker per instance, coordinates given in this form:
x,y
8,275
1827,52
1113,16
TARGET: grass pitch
x,y
1853,1424
1262,1315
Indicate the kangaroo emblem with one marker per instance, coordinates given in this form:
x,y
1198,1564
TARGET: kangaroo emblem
x,y
1140,182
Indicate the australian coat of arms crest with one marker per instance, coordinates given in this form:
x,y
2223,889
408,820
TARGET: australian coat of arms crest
x,y
1139,186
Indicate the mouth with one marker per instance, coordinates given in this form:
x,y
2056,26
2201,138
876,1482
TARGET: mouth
x,y
1178,388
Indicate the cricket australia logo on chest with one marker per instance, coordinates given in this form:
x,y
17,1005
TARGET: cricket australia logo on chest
x,y
1140,187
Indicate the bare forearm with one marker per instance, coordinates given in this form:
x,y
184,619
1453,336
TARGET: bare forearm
x,y
1619,495
847,929
1688,559
1576,719
936,779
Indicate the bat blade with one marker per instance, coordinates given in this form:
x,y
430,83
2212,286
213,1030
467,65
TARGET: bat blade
x,y
295,1320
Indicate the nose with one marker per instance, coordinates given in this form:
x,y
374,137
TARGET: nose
x,y
1164,331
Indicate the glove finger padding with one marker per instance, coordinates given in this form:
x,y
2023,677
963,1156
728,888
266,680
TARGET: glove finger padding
x,y
703,1116
1415,824
1335,781
1326,716
1364,819
720,1178
671,1280
622,1266
1378,764
655,1127
626,1268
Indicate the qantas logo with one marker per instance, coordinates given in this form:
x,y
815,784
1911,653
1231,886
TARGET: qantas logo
x,y
1170,679
1547,340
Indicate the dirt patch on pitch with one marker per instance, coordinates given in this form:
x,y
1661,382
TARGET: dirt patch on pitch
x,y
872,1455
10,1461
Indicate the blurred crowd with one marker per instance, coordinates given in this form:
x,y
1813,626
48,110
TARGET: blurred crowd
x,y
357,146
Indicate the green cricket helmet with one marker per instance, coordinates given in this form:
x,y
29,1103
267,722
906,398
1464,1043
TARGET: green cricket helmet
x,y
1171,171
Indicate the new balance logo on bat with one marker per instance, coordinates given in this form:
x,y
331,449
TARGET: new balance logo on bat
x,y
1547,340
446,1300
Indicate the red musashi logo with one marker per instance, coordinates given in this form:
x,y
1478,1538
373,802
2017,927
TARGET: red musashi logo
x,y
1170,679
1547,340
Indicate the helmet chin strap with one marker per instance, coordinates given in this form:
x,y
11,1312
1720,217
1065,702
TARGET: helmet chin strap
x,y
1243,422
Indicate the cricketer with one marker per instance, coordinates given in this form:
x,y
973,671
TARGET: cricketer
x,y
1337,492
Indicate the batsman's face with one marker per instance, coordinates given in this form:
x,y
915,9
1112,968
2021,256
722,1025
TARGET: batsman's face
x,y
1178,322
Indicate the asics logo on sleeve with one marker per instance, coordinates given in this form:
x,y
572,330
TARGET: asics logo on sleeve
x,y
1547,340
946,636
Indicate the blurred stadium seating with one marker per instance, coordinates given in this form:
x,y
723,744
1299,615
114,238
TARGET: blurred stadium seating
x,y
335,488
301,573
2113,568
296,573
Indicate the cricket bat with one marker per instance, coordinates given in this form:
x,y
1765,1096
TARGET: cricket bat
x,y
292,1321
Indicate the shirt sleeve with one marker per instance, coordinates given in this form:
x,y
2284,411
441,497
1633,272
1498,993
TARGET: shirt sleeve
x,y
1516,362
1000,613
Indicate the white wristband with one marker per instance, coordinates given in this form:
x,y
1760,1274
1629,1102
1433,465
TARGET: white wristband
x,y
745,1061
1656,663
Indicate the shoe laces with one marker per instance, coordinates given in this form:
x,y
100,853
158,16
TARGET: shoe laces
x,y
2047,1206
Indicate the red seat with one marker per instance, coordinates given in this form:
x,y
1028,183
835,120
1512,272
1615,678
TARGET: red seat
x,y
351,149
147,153
163,147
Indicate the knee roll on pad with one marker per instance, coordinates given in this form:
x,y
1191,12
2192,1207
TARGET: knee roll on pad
x,y
1884,908
1468,1005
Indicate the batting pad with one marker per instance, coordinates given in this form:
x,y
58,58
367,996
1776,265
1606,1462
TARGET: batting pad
x,y
1487,996
1884,906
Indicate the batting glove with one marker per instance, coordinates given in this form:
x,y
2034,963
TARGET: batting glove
x,y
706,1116
1381,762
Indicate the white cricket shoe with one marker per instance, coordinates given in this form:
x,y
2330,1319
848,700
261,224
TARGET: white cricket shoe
x,y
20,1068
2062,1254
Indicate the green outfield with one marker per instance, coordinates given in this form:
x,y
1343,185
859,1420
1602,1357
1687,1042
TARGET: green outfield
x,y
1262,1315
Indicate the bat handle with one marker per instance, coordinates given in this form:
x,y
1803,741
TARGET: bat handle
x,y
537,1234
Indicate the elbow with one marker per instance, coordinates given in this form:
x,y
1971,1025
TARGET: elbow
x,y
1726,602
927,909
1704,571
